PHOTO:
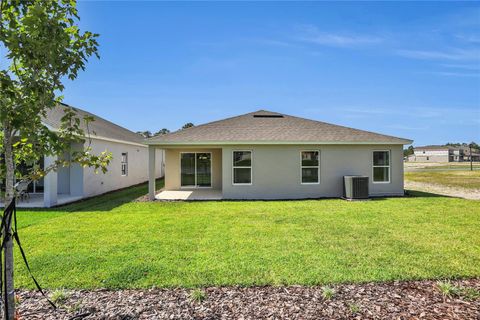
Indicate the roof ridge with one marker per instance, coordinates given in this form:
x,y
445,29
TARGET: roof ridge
x,y
203,124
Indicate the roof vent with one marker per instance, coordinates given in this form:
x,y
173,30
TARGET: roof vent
x,y
268,115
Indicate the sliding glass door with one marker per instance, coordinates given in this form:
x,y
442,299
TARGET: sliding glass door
x,y
196,169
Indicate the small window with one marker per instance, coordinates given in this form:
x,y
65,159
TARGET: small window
x,y
310,167
381,166
242,167
124,164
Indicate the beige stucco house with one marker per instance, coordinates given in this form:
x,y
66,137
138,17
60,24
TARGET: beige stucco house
x,y
268,155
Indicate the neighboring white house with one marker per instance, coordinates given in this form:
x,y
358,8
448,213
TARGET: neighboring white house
x,y
128,167
443,154
268,155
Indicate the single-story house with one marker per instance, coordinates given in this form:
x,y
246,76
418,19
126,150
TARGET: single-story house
x,y
128,166
269,155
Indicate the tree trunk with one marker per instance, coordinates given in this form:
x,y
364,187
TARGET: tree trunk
x,y
9,294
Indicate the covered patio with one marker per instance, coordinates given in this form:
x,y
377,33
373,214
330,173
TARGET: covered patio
x,y
58,187
191,173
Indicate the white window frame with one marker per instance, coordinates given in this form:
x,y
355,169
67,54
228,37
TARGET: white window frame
x,y
302,166
122,163
211,171
389,167
234,167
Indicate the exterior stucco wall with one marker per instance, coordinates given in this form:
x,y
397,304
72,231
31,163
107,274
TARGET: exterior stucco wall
x,y
431,155
63,176
277,174
95,184
429,158
172,166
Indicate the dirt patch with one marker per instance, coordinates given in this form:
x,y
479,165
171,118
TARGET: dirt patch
x,y
146,198
472,194
394,300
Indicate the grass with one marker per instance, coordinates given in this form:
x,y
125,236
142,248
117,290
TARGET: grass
x,y
475,166
114,243
59,296
354,308
328,292
448,289
463,179
198,295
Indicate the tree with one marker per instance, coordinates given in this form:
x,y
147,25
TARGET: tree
x,y
474,145
162,131
44,47
408,151
145,134
188,125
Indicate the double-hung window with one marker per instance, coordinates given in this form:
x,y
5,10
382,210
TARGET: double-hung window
x,y
310,167
381,166
124,164
242,167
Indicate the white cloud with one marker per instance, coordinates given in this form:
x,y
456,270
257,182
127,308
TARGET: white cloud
x,y
273,42
475,67
469,37
456,74
313,35
455,54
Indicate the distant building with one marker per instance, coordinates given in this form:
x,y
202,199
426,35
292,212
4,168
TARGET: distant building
x,y
443,154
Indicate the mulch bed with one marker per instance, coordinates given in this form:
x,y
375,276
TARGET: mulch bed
x,y
393,300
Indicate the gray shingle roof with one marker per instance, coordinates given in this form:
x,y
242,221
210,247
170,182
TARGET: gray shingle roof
x,y
270,127
98,128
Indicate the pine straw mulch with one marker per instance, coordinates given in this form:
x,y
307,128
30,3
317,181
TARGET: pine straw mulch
x,y
393,300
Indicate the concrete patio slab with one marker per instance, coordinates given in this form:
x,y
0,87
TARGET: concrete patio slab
x,y
36,201
187,195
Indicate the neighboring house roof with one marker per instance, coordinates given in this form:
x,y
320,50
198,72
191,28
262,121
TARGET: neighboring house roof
x,y
100,128
433,147
263,127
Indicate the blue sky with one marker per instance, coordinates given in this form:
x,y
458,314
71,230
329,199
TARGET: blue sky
x,y
406,69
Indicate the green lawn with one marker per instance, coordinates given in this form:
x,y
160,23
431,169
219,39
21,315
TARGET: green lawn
x,y
463,179
476,166
111,242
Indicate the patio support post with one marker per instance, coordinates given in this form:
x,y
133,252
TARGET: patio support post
x,y
50,196
151,172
